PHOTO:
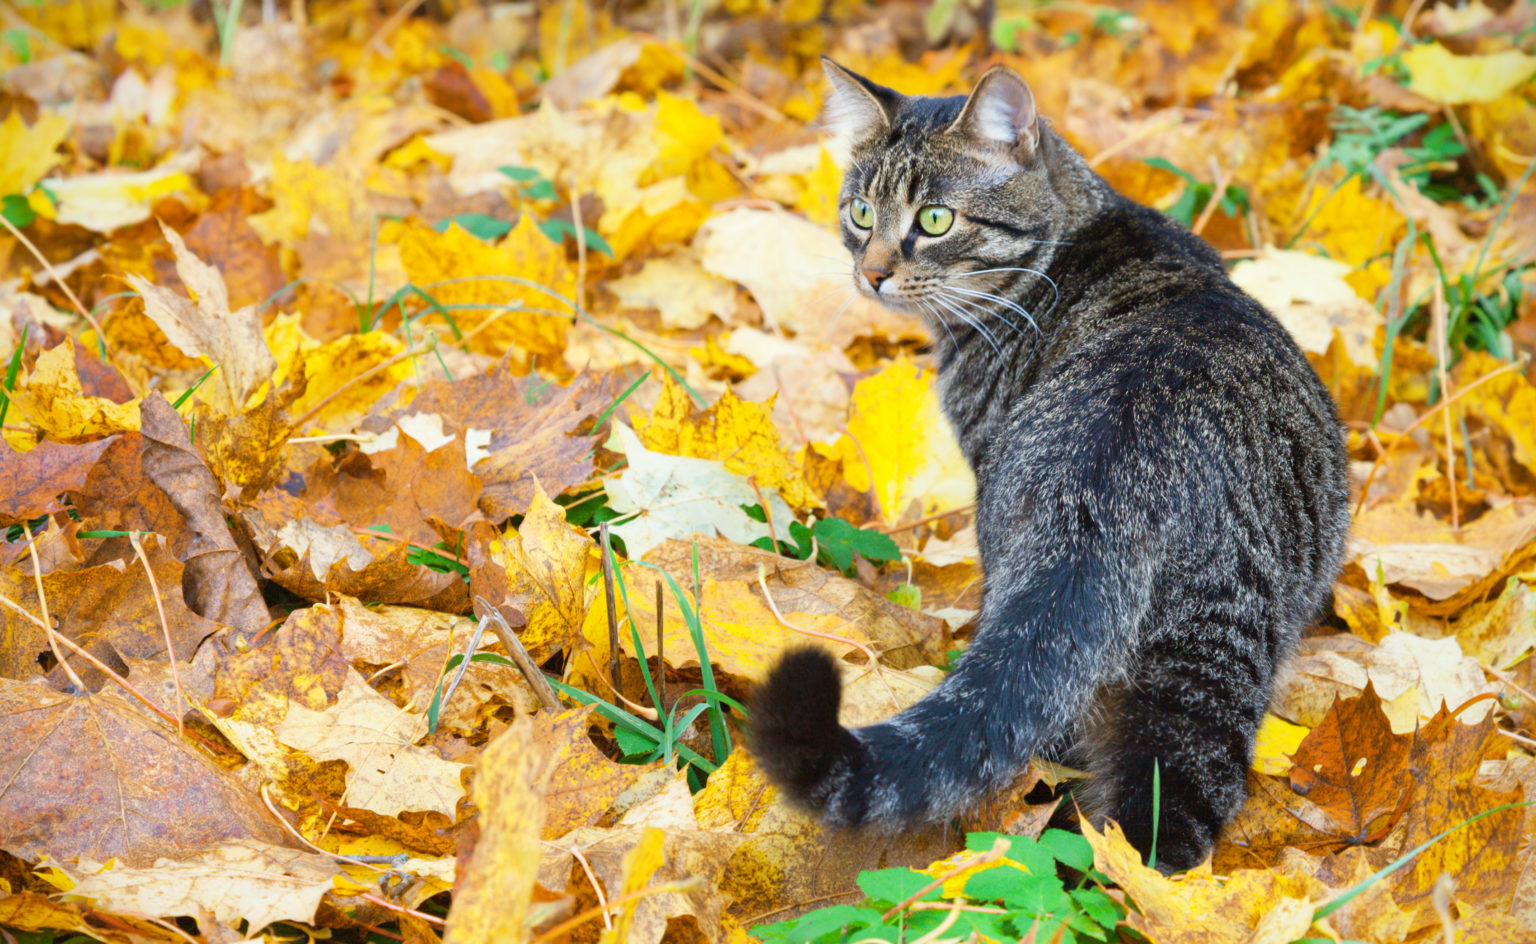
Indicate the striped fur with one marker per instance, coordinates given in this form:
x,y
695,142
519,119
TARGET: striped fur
x,y
1162,500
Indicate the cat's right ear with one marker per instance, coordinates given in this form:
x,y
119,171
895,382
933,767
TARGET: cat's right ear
x,y
856,108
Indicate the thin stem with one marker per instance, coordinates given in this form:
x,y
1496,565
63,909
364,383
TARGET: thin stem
x,y
1428,414
42,604
874,663
101,339
165,627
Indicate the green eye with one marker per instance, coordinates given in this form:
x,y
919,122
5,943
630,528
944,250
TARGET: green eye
x,y
935,220
863,214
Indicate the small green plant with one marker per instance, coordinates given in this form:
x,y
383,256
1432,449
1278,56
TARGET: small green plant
x,y
641,741
833,540
1197,195
1022,895
534,186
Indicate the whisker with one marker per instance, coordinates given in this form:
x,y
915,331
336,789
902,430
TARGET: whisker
x,y
942,323
977,325
1038,340
839,316
1011,305
974,306
1055,289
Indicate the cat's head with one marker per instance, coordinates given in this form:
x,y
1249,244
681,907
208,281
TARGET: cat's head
x,y
946,197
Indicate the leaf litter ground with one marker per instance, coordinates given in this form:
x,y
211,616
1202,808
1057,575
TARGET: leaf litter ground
x,y
338,339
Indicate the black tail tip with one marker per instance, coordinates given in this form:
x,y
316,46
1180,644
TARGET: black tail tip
x,y
794,731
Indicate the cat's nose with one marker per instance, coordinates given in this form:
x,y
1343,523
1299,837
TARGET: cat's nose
x,y
876,276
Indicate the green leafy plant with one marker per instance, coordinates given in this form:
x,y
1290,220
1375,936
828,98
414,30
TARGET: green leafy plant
x,y
833,540
1197,195
1023,894
532,185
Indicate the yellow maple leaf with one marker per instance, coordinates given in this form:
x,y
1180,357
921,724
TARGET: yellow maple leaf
x,y
546,565
514,313
1442,76
900,443
28,153
685,134
1506,402
661,214
1277,740
1356,228
336,363
304,195
739,433
52,399
818,198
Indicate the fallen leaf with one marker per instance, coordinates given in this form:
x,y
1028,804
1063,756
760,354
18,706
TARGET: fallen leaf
x,y
584,782
244,880
37,478
693,860
113,199
30,150
545,561
674,497
51,398
521,285
420,643
387,772
738,433
206,327
899,444
528,424
1441,76
680,289
1253,905
491,897
112,603
97,777
1354,767
218,581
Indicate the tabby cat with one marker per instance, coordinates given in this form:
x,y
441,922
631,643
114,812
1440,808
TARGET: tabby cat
x,y
1161,486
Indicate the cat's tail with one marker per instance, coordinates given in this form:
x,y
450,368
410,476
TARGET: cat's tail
x,y
1041,650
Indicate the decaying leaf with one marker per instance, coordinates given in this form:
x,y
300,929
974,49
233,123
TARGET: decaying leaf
x,y
236,881
95,776
386,771
219,582
37,478
492,895
206,327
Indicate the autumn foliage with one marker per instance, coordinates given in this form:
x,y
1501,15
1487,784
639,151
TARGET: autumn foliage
x,y
338,334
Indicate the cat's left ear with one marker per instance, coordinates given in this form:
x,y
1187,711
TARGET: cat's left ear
x,y
1001,112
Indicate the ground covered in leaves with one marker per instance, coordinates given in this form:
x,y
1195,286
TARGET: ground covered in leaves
x,y
341,334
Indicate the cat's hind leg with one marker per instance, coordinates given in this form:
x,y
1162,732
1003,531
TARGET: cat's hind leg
x,y
1186,717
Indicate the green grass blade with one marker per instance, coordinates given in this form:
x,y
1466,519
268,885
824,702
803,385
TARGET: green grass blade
x,y
620,716
11,373
193,389
603,417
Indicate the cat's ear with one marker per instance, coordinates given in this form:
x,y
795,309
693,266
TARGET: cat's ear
x,y
1001,112
856,108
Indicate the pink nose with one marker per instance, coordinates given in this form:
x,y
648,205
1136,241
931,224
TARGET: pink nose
x,y
876,276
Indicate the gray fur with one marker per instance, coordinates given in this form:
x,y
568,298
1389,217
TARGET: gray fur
x,y
1162,500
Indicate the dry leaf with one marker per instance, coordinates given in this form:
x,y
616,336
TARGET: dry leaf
x,y
387,772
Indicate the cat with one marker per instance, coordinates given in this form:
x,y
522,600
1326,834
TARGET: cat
x,y
1161,486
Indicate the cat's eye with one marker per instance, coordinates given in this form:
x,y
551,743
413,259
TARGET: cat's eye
x,y
862,213
935,220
